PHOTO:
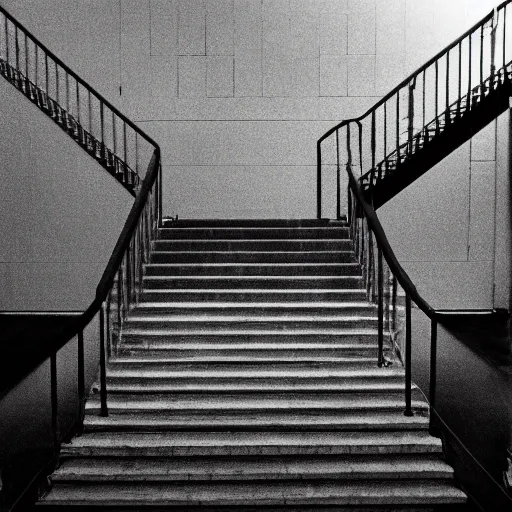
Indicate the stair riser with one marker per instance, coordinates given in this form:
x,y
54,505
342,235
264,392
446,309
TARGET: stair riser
x,y
245,366
250,324
251,233
269,354
253,296
360,421
253,245
185,384
252,257
233,310
246,282
243,451
149,339
348,269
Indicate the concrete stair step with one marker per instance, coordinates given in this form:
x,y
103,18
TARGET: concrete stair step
x,y
214,444
206,470
263,323
262,308
251,256
257,377
248,223
267,403
252,295
252,233
251,350
283,494
248,269
148,337
261,282
242,363
250,421
141,385
288,244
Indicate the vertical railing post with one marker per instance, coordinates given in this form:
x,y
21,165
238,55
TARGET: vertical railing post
x,y
54,397
318,180
338,177
459,82
408,349
436,66
482,36
410,128
380,278
397,129
433,362
103,365
447,91
103,149
81,378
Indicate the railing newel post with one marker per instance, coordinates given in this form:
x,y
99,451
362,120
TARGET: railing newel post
x,y
380,279
319,179
433,362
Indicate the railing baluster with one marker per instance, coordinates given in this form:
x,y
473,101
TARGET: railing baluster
x,y
424,105
319,180
459,83
482,36
386,132
338,177
81,377
408,348
470,71
397,129
125,150
17,47
7,49
393,301
54,398
103,365
410,128
102,153
504,37
437,97
380,277
433,362
447,92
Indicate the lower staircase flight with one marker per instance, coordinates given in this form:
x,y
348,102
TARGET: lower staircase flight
x,y
246,379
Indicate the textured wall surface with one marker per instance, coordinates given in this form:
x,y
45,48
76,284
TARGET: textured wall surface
x,y
61,212
237,92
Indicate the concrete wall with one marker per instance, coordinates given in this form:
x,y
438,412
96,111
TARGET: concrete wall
x,y
61,212
237,92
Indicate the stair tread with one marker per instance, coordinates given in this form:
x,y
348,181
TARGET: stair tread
x,y
310,421
244,402
251,305
262,373
185,439
300,493
142,469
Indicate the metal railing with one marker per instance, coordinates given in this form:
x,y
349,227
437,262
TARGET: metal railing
x,y
128,154
94,123
377,146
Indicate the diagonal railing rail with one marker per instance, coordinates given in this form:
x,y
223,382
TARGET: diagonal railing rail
x,y
418,123
129,154
84,114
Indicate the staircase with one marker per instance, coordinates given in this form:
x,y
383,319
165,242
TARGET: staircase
x,y
246,379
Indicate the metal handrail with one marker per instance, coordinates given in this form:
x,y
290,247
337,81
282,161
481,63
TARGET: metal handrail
x,y
383,276
121,282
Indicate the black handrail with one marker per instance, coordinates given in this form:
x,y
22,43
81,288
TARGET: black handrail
x,y
449,104
117,143
80,80
121,282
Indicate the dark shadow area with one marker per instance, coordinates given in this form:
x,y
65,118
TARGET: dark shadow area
x,y
26,341
473,398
